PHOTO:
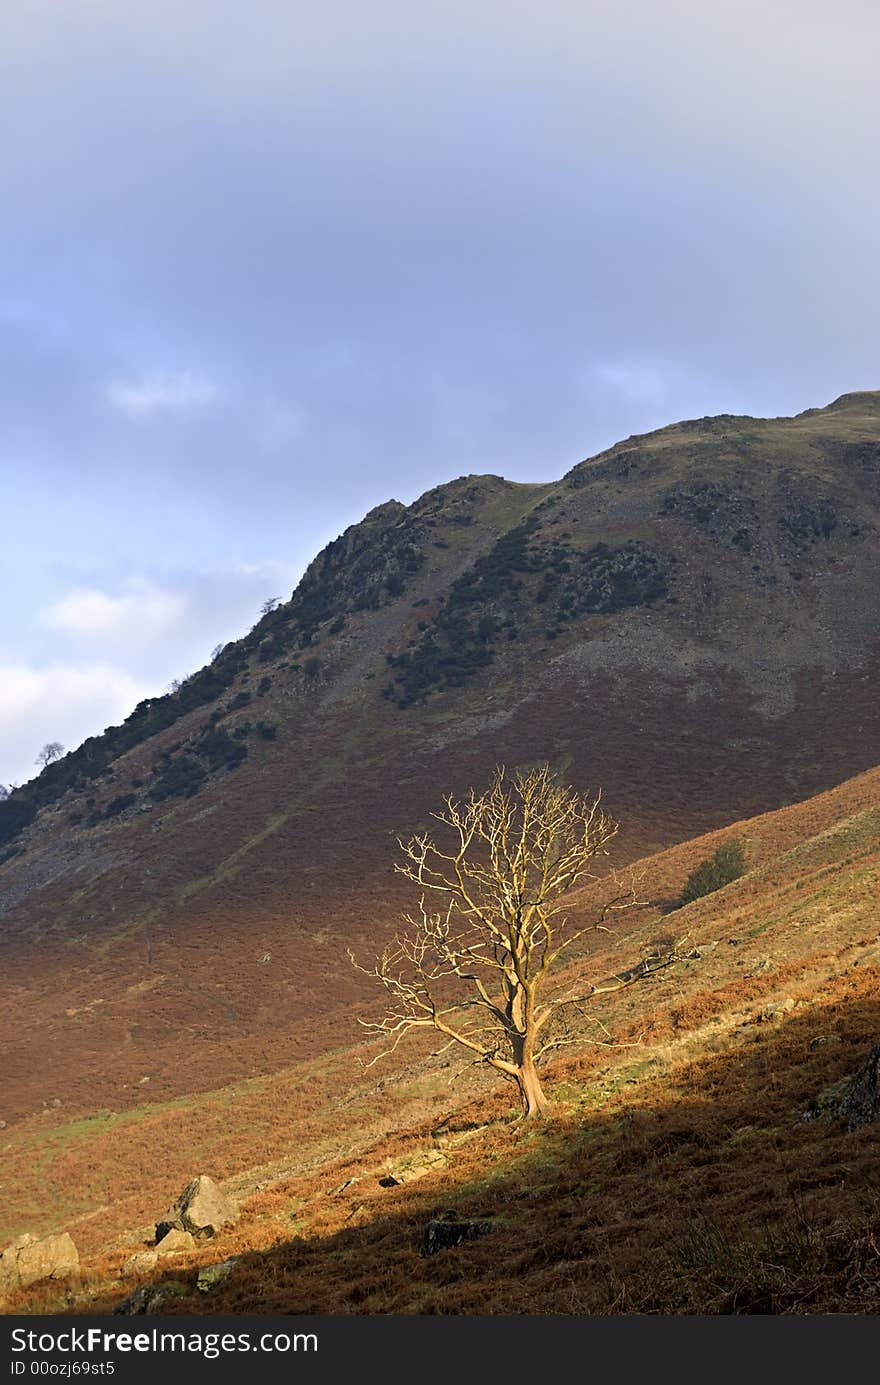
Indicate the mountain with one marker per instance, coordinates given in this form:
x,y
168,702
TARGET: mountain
x,y
688,621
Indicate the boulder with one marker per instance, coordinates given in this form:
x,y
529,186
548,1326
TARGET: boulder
x,y
30,1259
175,1243
140,1263
201,1209
441,1235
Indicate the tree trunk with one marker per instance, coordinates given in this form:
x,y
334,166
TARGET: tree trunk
x,y
531,1095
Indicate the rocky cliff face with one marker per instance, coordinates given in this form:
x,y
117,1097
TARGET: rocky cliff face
x,y
689,620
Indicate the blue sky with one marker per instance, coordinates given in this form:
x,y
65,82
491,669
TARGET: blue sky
x,y
264,266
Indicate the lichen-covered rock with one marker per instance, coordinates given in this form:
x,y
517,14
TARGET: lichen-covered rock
x,y
201,1209
212,1275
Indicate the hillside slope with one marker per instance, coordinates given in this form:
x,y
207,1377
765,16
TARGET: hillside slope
x,y
679,1173
688,620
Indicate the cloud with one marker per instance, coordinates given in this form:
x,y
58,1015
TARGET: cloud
x,y
161,393
63,702
137,618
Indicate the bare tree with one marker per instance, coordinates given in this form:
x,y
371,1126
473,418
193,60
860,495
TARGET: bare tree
x,y
52,751
270,605
4,792
475,969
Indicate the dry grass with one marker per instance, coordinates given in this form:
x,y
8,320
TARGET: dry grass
x,y
695,1188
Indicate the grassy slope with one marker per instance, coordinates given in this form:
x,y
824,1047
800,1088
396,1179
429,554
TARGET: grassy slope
x,y
677,1177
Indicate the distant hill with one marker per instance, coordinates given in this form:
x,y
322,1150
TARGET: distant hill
x,y
688,620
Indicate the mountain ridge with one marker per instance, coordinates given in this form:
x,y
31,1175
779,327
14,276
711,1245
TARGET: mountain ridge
x,y
687,620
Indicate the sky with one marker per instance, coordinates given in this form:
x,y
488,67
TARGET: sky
x,y
265,266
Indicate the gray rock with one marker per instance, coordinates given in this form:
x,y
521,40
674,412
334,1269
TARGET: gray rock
x,y
442,1235
201,1209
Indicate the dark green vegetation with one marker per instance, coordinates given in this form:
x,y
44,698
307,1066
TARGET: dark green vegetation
x,y
491,601
725,865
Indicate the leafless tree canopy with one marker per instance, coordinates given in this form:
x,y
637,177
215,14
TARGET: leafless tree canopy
x,y
492,922
52,750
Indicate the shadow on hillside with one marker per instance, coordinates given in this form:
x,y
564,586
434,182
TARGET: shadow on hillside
x,y
701,1191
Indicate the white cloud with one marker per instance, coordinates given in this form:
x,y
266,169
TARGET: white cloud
x,y
63,702
143,616
161,392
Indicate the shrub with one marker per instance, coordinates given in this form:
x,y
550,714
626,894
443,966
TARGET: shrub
x,y
180,779
726,864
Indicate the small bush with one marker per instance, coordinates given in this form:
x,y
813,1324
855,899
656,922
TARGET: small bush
x,y
180,779
726,864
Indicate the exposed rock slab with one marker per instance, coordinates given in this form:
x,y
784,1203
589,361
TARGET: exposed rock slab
x,y
29,1259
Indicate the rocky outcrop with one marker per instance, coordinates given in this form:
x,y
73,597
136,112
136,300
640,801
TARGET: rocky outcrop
x,y
201,1209
30,1259
853,1100
860,1104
